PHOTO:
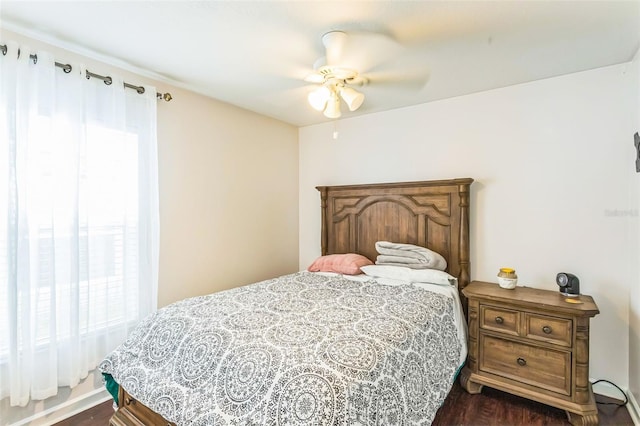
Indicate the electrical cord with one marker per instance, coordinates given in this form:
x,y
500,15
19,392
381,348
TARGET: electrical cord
x,y
626,400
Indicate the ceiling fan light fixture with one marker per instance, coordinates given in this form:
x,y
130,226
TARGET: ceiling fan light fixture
x,y
333,108
318,98
352,97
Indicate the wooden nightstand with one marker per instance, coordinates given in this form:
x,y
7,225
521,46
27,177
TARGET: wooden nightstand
x,y
532,343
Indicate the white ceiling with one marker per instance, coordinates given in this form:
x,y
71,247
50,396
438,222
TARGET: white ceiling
x,y
256,54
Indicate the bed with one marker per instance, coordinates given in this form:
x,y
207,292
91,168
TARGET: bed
x,y
314,348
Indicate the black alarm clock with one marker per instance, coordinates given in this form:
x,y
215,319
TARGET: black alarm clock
x,y
569,284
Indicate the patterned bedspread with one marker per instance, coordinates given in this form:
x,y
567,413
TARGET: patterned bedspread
x,y
301,349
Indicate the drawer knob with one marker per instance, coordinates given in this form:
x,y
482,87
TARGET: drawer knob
x,y
499,320
546,329
128,400
521,362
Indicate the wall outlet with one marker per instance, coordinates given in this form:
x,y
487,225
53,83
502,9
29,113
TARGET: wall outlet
x,y
636,142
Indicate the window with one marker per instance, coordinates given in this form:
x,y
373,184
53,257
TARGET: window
x,y
78,223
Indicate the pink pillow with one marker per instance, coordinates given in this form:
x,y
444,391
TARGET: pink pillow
x,y
348,264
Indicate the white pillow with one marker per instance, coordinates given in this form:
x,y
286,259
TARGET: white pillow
x,y
402,273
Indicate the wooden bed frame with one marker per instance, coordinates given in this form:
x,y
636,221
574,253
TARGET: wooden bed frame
x,y
433,214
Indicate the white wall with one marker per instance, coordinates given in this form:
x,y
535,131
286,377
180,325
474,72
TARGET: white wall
x,y
228,203
553,164
634,304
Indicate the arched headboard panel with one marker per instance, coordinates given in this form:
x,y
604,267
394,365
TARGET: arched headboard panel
x,y
433,214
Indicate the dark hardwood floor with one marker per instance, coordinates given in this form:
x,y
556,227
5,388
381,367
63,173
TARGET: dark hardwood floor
x,y
491,407
95,416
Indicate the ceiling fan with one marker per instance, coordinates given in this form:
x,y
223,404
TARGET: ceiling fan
x,y
340,70
335,79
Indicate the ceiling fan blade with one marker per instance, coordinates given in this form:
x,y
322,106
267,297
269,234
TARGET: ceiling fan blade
x,y
410,79
314,78
364,51
409,70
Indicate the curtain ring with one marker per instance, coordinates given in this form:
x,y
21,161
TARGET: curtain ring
x,y
4,49
34,58
106,80
65,67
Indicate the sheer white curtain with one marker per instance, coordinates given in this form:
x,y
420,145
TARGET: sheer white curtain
x,y
78,221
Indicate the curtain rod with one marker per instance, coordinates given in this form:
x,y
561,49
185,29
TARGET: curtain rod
x,y
106,79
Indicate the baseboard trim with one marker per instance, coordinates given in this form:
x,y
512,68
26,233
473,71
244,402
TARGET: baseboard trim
x,y
66,409
634,408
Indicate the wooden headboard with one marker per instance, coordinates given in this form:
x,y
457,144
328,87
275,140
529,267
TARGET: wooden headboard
x,y
433,214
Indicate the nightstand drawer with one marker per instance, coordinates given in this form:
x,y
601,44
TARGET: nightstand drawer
x,y
499,319
549,329
541,367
